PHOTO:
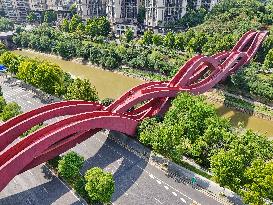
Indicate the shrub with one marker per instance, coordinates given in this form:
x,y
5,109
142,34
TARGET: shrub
x,y
99,185
69,166
107,101
11,110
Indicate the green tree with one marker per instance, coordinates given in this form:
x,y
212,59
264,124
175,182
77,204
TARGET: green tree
x,y
10,110
31,130
268,62
2,48
129,35
104,26
180,41
6,24
2,103
148,37
65,25
32,17
11,61
99,185
49,17
80,27
47,76
107,101
228,169
26,70
157,39
259,186
229,166
67,48
81,90
169,40
69,166
75,21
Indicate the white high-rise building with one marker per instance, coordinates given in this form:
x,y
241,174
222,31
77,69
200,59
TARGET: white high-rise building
x,y
123,14
91,8
159,12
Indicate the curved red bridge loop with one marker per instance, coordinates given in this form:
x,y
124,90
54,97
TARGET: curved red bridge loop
x,y
198,75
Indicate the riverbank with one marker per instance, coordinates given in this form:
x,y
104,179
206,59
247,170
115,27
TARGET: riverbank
x,y
108,84
113,84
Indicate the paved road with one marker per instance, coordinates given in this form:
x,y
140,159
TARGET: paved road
x,y
137,182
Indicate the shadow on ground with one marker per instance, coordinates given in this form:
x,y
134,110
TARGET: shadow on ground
x,y
44,194
125,166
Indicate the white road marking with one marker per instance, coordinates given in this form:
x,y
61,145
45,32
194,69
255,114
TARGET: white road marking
x,y
30,102
158,181
166,187
183,200
174,193
152,176
158,200
45,189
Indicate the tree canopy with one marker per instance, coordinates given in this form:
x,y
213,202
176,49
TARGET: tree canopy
x,y
99,185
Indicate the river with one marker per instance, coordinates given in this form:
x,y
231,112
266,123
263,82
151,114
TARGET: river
x,y
110,84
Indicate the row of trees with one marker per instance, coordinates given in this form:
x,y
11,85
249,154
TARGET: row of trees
x,y
96,186
108,55
48,77
97,26
239,159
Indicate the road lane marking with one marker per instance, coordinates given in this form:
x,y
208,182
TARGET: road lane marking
x,y
158,181
45,190
174,193
183,200
166,187
152,176
158,200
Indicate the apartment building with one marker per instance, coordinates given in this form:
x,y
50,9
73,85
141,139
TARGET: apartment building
x,y
16,10
159,12
123,14
91,8
38,5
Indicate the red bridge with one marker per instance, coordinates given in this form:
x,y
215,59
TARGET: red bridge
x,y
197,76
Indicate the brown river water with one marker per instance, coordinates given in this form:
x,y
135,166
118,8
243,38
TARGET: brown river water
x,y
110,84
